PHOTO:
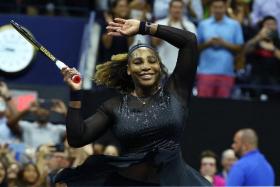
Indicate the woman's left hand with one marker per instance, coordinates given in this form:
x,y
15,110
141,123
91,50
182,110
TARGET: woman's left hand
x,y
123,27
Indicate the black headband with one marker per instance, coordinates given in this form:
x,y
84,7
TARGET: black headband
x,y
133,48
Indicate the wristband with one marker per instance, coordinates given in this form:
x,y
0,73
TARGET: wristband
x,y
76,95
144,28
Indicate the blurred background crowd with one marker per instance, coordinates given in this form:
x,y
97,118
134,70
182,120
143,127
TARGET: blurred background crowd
x,y
239,56
239,59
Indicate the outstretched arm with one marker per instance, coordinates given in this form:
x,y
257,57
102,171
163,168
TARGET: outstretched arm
x,y
81,132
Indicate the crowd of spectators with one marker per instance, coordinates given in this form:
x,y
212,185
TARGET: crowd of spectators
x,y
238,39
238,42
31,153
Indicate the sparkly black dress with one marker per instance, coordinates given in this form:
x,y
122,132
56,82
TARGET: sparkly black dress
x,y
149,133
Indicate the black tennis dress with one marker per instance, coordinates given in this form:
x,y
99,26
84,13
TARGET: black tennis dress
x,y
148,129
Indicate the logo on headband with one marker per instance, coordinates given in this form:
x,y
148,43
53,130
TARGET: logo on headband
x,y
137,46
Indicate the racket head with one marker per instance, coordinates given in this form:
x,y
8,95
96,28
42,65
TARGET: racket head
x,y
25,34
32,40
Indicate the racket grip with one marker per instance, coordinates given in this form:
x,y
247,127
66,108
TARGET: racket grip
x,y
60,64
74,78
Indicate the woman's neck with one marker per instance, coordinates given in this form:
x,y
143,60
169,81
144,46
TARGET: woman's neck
x,y
146,92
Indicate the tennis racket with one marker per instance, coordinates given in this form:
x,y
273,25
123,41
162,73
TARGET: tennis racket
x,y
42,49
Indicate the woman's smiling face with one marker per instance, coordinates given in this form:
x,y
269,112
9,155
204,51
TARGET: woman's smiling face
x,y
144,68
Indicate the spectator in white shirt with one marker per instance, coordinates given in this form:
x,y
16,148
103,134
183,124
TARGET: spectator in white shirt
x,y
42,131
176,19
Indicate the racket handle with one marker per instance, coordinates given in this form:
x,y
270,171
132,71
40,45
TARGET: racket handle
x,y
74,78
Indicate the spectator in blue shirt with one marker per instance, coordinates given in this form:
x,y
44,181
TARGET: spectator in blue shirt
x,y
252,169
219,37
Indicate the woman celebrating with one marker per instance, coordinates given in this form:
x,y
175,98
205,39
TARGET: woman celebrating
x,y
148,117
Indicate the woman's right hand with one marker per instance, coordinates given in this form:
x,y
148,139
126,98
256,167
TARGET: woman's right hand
x,y
67,74
123,27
